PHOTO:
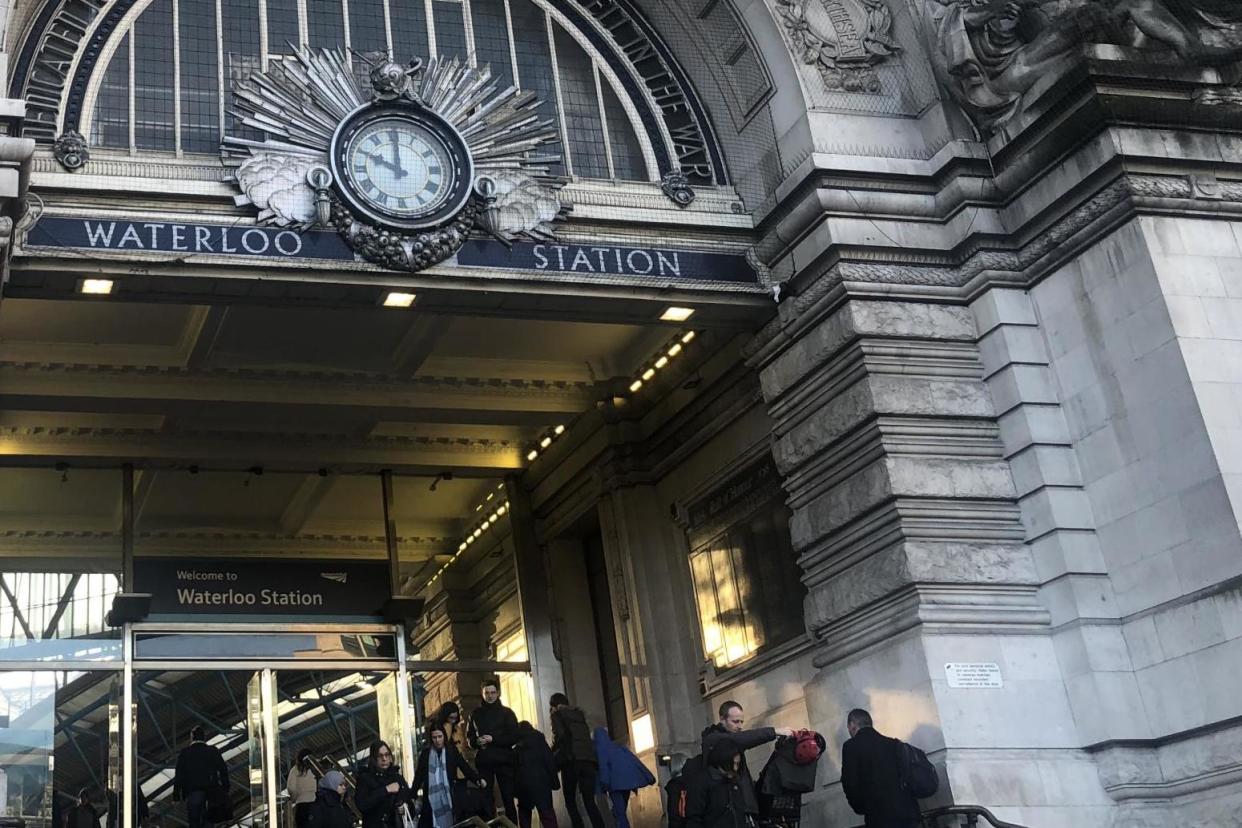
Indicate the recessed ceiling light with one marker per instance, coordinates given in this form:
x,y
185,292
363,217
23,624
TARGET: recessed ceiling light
x,y
649,373
689,335
532,454
545,442
99,287
560,429
396,299
675,350
661,362
676,314
635,385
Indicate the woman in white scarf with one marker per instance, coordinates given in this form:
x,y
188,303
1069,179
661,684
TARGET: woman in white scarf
x,y
439,767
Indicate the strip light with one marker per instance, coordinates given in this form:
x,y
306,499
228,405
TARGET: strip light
x,y
486,522
662,359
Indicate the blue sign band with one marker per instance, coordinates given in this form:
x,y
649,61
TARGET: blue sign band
x,y
582,260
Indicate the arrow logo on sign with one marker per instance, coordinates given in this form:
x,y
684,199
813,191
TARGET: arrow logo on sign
x,y
339,577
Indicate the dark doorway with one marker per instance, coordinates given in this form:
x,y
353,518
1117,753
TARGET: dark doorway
x,y
605,637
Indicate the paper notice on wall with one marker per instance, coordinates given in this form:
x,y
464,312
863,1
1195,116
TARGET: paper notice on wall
x,y
973,675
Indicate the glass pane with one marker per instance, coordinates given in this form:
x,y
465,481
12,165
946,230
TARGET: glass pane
x,y
366,26
627,154
582,121
450,29
709,615
334,716
200,104
282,27
748,595
153,58
170,708
530,33
110,124
241,51
54,746
491,39
325,23
409,29
238,646
60,559
730,616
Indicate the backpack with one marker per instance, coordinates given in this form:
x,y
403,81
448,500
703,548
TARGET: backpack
x,y
676,789
915,771
808,745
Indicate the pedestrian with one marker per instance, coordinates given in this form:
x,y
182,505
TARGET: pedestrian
x,y
493,733
329,810
621,773
83,813
448,717
380,790
436,779
731,726
536,777
201,779
715,797
302,787
870,776
576,760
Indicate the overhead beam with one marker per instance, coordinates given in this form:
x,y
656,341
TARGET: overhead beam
x,y
62,605
17,611
417,344
305,502
202,330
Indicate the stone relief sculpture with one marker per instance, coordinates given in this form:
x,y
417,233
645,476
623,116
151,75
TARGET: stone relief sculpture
x,y
989,53
843,39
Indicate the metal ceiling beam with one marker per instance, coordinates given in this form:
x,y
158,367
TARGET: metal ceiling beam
x,y
62,605
17,611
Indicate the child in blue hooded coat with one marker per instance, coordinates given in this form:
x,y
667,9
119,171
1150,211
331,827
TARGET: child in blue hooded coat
x,y
620,774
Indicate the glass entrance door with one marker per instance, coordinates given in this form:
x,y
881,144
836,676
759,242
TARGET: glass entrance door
x,y
329,693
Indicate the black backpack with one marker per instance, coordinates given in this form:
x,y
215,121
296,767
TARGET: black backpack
x,y
915,771
677,792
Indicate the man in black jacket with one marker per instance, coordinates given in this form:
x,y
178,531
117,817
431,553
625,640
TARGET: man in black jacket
x,y
730,727
493,733
575,758
200,771
869,776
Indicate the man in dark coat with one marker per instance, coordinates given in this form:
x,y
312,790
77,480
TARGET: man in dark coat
x,y
493,733
536,777
869,763
576,759
730,727
200,773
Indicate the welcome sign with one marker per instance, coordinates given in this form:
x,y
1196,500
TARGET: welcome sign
x,y
284,586
231,240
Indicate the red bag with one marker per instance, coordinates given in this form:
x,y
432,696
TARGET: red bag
x,y
808,745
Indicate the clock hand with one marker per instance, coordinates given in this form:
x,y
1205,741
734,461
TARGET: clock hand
x,y
384,162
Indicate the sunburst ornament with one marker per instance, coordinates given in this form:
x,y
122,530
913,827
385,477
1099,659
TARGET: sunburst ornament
x,y
404,171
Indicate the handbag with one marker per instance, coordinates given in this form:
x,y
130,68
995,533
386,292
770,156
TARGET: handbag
x,y
219,805
407,821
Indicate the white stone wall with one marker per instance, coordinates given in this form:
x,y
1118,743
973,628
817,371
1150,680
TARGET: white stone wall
x,y
1143,336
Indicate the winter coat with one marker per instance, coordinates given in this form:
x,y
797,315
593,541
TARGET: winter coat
x,y
869,763
82,816
302,786
745,740
619,770
455,764
715,800
329,811
497,721
200,767
536,772
377,806
782,775
571,737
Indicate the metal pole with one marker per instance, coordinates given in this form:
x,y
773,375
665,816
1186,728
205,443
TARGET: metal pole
x,y
127,527
390,533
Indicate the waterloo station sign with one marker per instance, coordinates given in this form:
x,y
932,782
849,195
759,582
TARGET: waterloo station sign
x,y
245,241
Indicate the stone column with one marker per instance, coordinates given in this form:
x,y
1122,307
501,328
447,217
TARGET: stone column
x,y
656,630
908,529
449,630
532,583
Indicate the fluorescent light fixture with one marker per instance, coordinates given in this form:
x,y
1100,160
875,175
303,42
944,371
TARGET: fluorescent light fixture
x,y
635,385
689,335
532,454
545,442
661,362
649,373
559,430
675,350
98,287
504,508
493,518
396,299
460,548
644,734
676,314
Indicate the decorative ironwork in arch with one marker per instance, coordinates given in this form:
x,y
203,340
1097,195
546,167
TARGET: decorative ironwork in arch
x,y
63,53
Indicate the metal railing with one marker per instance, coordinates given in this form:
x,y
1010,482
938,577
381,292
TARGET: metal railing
x,y
965,816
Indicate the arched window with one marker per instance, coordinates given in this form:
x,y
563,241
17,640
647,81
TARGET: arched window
x,y
166,86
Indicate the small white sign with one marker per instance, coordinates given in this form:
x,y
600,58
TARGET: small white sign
x,y
974,675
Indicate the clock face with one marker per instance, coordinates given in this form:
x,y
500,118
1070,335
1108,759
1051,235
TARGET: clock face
x,y
401,166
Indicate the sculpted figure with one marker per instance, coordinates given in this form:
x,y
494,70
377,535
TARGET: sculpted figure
x,y
989,53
